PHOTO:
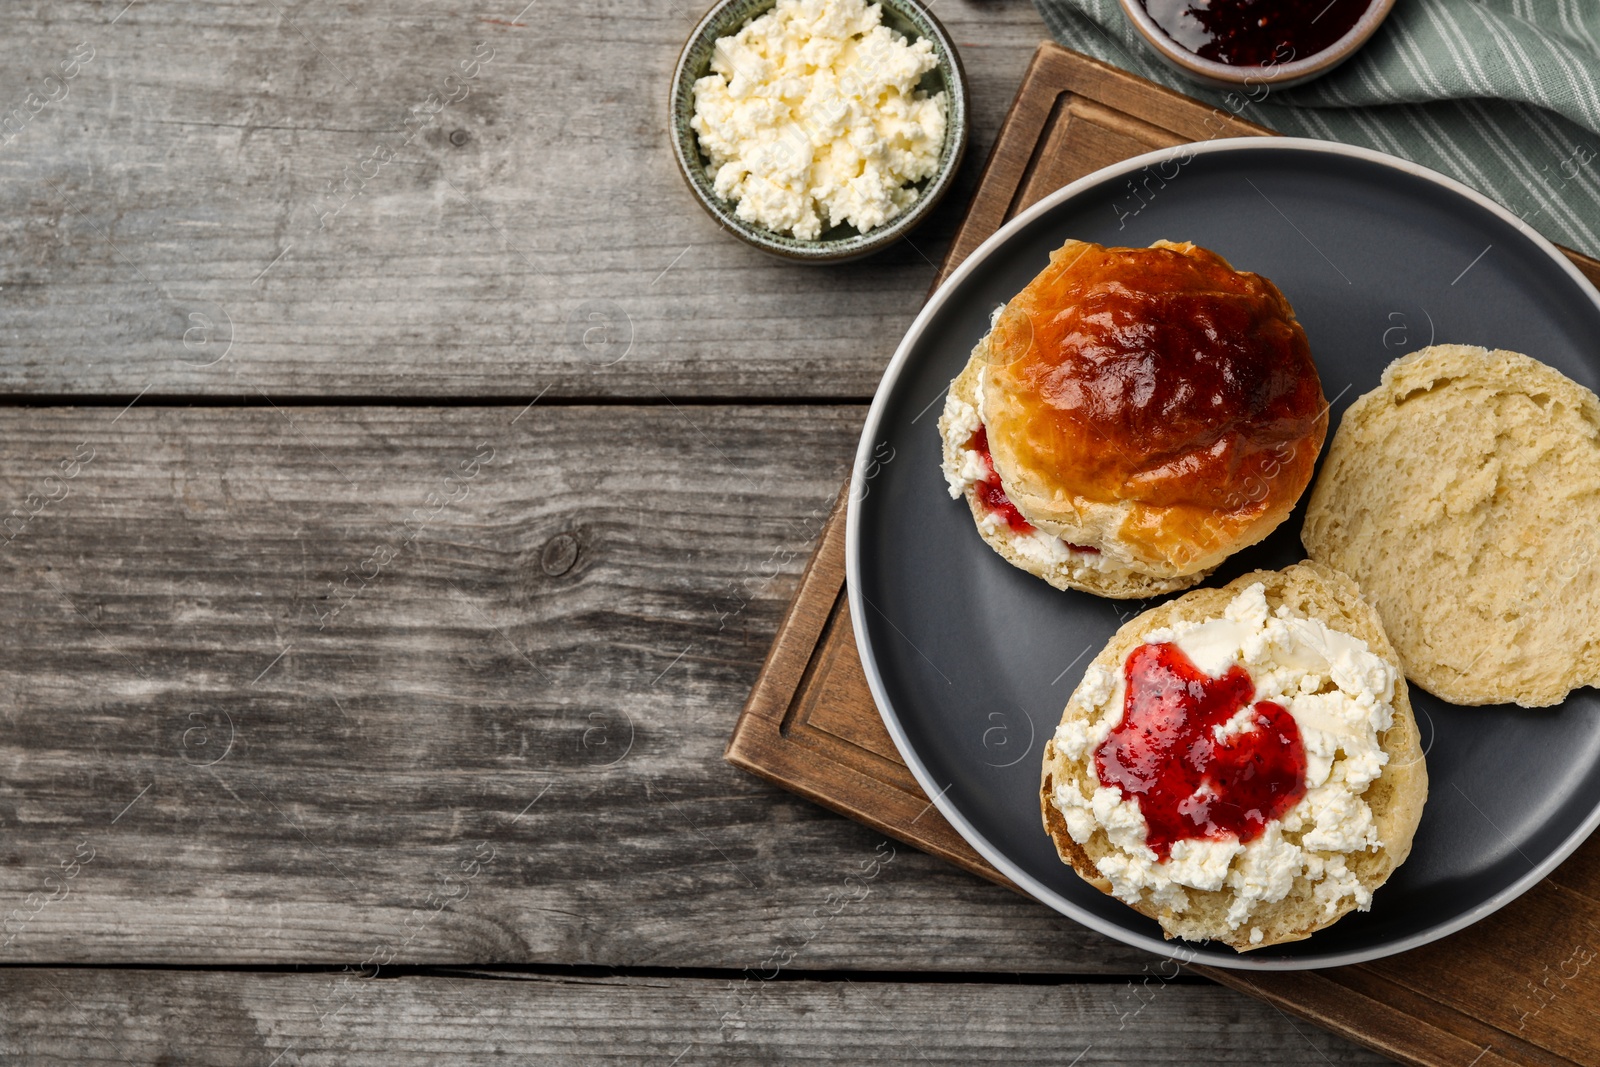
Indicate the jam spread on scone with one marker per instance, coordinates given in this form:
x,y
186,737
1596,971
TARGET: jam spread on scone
x,y
1191,780
993,494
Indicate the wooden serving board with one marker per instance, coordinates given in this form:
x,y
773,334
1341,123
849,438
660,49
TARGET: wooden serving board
x,y
1520,987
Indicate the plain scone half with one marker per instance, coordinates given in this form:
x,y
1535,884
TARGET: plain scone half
x,y
1324,855
1133,417
1463,494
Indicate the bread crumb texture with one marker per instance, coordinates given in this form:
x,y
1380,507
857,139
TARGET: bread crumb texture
x,y
1463,495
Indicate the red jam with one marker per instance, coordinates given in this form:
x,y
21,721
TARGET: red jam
x,y
1256,33
993,494
1189,784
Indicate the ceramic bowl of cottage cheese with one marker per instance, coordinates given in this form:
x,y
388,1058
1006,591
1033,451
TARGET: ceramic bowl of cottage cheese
x,y
819,130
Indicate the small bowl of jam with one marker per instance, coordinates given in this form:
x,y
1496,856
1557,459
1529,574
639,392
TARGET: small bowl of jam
x,y
1227,43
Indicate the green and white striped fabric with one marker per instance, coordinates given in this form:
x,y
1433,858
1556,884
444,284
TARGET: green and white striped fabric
x,y
1503,95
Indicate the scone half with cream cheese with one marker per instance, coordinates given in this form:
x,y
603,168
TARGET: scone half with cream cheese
x,y
1133,417
1240,764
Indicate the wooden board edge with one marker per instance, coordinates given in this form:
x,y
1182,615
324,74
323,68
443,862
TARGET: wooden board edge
x,y
1368,1021
1065,71
758,744
1019,134
796,642
1588,266
882,807
1370,980
1079,73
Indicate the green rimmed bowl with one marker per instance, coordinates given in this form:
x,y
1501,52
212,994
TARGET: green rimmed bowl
x,y
843,242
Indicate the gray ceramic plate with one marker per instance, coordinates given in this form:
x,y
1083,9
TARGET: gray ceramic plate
x,y
971,660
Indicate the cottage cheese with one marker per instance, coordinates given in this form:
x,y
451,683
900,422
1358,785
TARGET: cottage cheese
x,y
964,468
811,118
1342,698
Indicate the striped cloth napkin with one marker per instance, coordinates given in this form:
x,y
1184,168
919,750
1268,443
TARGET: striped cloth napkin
x,y
1503,95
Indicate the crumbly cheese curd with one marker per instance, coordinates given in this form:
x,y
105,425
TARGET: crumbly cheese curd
x,y
1341,696
811,118
964,468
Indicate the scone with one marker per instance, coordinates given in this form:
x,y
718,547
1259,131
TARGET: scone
x,y
1133,417
1463,494
1240,764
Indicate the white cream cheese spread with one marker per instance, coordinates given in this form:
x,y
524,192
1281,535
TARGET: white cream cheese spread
x,y
965,468
811,118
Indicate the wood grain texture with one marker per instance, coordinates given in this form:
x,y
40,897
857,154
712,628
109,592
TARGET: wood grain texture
x,y
1071,116
810,724
292,696
1491,994
277,170
92,1017
1494,993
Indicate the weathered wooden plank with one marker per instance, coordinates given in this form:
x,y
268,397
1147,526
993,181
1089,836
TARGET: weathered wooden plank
x,y
810,723
409,198
442,685
98,1016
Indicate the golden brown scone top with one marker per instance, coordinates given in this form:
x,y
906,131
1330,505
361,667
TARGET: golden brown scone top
x,y
1159,378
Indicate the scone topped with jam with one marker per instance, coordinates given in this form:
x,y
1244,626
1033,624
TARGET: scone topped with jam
x,y
1133,417
1240,764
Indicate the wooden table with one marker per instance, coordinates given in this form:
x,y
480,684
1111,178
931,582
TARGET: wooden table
x,y
403,483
